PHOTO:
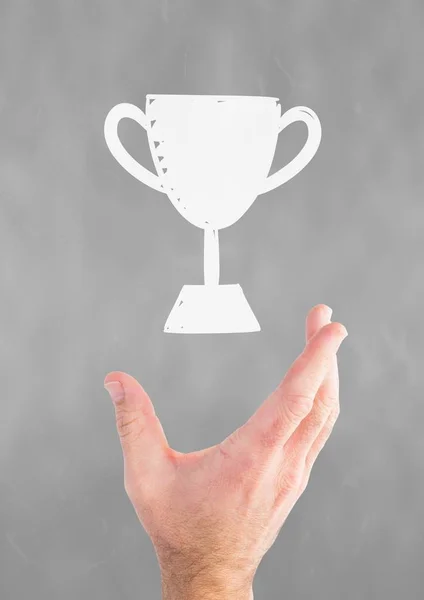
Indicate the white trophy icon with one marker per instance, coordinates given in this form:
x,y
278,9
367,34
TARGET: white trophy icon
x,y
212,155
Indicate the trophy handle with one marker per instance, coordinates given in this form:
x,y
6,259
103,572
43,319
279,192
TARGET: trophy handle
x,y
118,151
298,113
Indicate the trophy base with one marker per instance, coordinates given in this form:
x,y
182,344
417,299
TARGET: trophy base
x,y
211,309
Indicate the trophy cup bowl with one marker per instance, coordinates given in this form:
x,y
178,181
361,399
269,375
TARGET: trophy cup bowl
x,y
212,155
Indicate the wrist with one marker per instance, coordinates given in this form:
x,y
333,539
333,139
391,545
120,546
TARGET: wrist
x,y
204,586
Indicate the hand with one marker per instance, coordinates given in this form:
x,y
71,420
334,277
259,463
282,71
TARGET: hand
x,y
213,514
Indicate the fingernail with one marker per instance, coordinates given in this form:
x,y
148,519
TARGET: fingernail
x,y
115,390
344,333
340,335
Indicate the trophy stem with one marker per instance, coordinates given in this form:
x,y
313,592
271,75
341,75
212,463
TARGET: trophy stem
x,y
211,258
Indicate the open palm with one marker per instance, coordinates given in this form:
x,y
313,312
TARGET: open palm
x,y
218,510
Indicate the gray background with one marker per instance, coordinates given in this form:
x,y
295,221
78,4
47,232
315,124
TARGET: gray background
x,y
92,262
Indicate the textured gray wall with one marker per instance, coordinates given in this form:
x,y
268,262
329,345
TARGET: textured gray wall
x,y
88,278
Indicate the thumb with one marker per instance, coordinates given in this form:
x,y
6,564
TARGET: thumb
x,y
142,438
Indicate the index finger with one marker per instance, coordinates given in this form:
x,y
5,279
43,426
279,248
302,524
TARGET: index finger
x,y
279,416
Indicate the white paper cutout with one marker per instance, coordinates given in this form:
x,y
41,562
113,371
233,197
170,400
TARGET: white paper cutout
x,y
212,155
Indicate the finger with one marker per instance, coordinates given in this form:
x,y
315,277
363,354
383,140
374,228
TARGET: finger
x,y
142,438
326,400
318,445
321,439
281,413
317,317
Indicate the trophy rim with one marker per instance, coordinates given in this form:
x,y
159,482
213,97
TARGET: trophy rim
x,y
211,96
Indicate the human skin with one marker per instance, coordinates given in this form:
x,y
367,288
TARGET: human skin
x,y
214,513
